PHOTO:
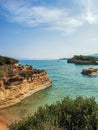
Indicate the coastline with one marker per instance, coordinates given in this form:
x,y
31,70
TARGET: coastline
x,y
25,95
3,121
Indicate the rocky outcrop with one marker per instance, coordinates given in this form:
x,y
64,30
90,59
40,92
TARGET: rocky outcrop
x,y
80,59
90,71
19,82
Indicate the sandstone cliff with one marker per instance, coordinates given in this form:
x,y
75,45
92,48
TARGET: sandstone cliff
x,y
90,71
18,82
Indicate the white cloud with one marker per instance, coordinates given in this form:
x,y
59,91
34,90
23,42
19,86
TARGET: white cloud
x,y
89,10
24,12
94,39
67,24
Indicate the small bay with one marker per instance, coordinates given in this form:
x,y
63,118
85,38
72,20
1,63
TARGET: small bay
x,y
67,80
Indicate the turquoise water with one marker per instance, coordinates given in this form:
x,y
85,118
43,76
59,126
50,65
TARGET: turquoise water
x,y
67,81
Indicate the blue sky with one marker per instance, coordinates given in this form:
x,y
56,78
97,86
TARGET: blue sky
x,y
48,29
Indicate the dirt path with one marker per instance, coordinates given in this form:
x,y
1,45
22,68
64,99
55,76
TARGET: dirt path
x,y
3,123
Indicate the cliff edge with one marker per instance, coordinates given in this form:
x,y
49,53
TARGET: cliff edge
x,y
18,82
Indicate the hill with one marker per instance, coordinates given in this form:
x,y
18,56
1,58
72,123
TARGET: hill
x,y
96,55
7,60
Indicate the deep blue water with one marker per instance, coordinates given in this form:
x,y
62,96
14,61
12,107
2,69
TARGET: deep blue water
x,y
67,81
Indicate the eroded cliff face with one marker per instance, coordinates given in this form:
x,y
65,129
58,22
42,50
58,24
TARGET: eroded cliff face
x,y
19,82
90,71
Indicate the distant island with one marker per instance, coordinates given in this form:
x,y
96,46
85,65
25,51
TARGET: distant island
x,y
95,55
18,82
81,59
63,58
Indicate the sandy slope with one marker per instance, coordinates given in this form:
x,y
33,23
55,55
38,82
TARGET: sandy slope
x,y
3,123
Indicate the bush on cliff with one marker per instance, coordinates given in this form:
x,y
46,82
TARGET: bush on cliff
x,y
78,114
1,73
7,60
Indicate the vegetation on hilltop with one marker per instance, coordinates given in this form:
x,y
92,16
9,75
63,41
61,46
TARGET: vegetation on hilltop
x,y
7,60
77,114
81,59
2,73
16,74
13,73
19,81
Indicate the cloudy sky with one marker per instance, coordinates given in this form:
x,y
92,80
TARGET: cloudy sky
x,y
48,29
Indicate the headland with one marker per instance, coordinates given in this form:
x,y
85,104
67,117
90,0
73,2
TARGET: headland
x,y
18,82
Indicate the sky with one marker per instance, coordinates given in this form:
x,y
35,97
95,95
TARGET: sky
x,y
48,29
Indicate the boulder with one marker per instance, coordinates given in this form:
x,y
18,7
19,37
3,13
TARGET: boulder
x,y
90,71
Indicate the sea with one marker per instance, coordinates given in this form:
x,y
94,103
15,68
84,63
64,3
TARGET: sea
x,y
67,80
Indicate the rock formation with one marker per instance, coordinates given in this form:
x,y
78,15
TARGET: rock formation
x,y
90,71
18,82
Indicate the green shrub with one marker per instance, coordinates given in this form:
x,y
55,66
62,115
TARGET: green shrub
x,y
7,60
78,114
1,73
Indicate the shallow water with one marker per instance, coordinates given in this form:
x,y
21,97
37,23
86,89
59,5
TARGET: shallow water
x,y
67,81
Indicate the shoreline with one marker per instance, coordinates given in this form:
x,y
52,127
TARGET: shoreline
x,y
17,100
4,121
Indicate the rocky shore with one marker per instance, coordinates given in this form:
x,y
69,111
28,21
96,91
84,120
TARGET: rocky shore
x,y
90,71
18,82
